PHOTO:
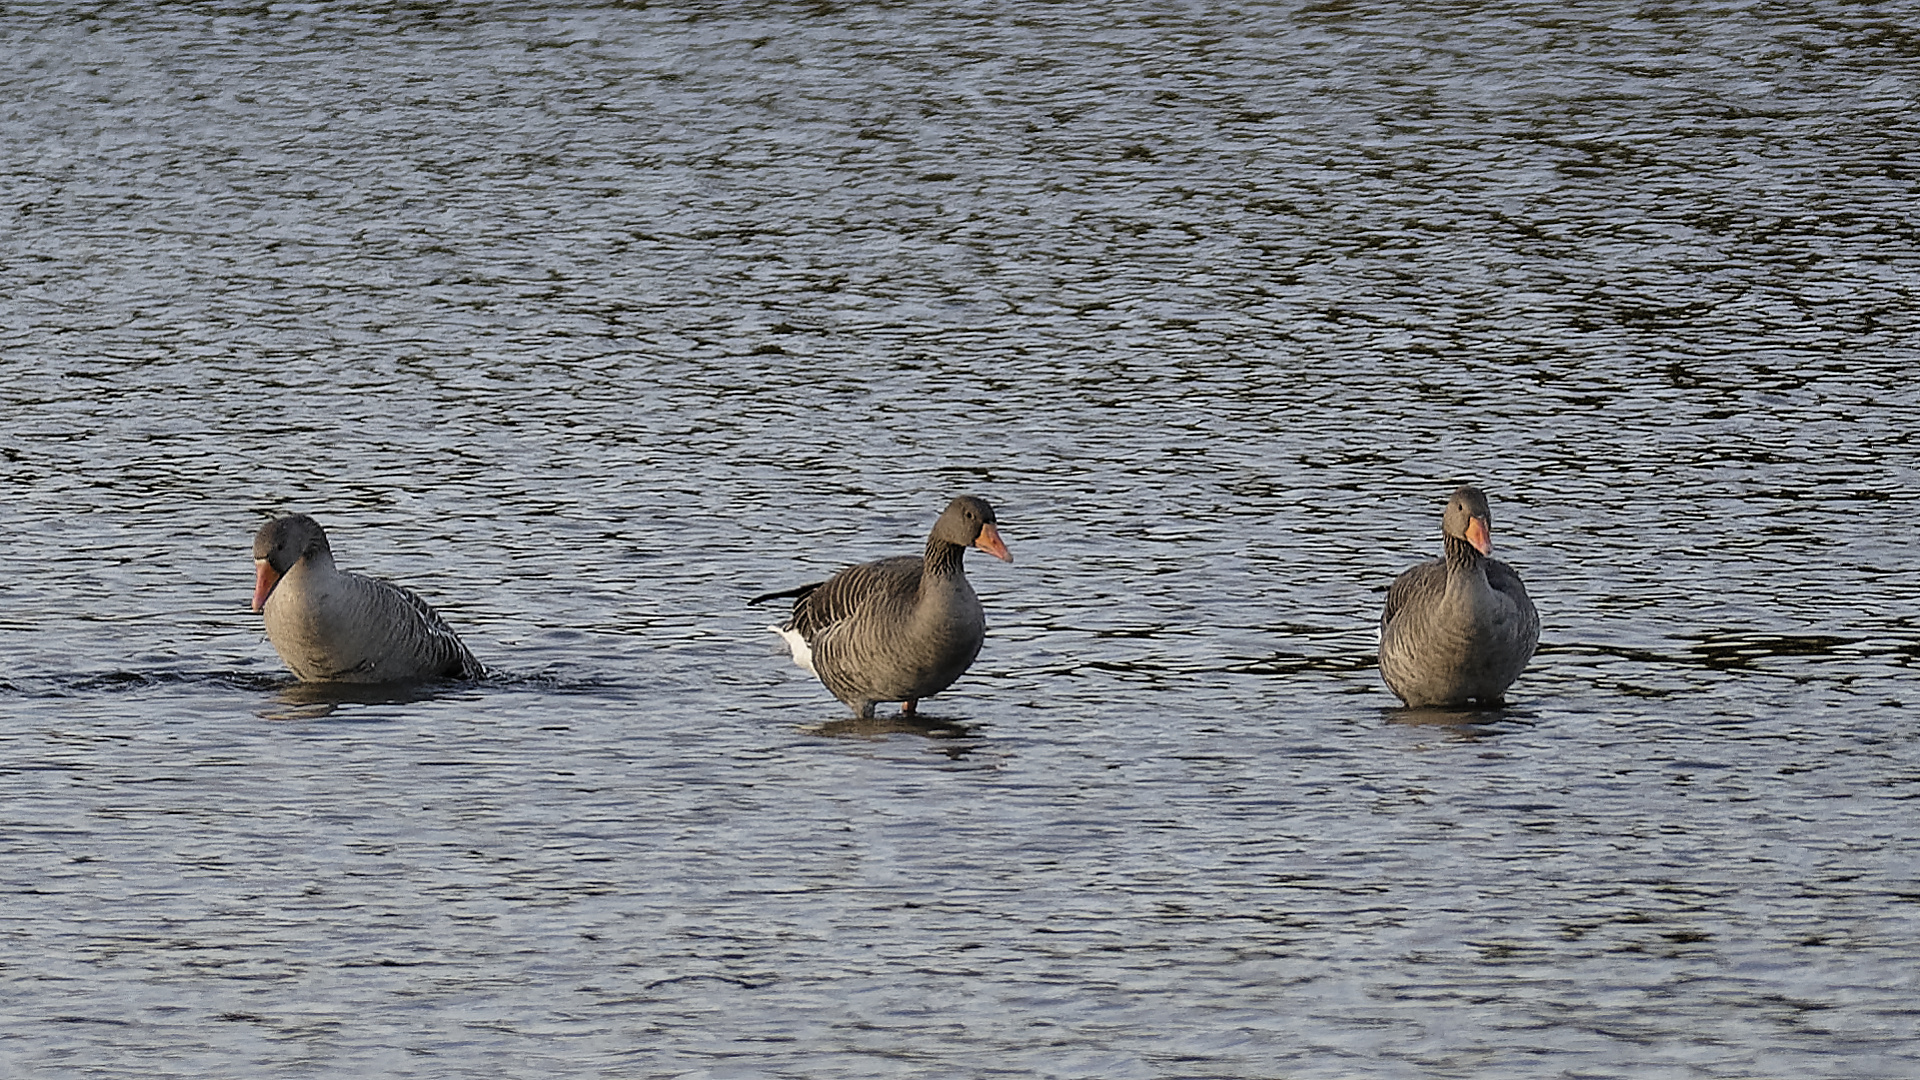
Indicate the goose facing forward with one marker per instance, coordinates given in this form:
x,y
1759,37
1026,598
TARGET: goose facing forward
x,y
1459,628
897,629
333,626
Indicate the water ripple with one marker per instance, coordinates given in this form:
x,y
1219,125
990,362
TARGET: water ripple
x,y
589,321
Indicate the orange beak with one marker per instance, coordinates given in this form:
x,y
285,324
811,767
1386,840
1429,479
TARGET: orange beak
x,y
263,582
1477,535
991,543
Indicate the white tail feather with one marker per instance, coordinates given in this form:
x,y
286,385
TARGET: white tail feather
x,y
802,654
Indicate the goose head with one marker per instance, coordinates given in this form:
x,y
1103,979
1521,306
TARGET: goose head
x,y
279,545
1469,519
968,522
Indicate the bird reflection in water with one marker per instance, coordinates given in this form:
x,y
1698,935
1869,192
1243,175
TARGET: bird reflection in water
x,y
325,700
1467,722
954,738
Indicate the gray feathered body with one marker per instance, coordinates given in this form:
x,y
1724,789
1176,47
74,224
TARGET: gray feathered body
x,y
897,629
333,626
1456,629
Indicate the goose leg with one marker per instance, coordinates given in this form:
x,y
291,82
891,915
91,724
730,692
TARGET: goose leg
x,y
906,707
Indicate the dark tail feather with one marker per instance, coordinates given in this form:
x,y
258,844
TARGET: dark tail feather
x,y
796,593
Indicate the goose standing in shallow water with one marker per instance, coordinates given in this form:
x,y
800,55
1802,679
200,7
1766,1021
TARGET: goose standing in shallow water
x,y
333,626
897,629
1459,628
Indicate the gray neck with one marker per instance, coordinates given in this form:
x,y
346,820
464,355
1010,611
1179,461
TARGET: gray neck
x,y
943,557
1460,554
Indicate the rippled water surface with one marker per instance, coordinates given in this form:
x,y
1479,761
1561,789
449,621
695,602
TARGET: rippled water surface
x,y
590,322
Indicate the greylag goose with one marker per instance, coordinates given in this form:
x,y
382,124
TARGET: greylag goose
x,y
333,626
897,629
1459,628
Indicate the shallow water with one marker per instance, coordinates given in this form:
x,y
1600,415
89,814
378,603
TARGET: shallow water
x,y
589,322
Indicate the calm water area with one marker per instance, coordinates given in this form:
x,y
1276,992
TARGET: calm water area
x,y
590,321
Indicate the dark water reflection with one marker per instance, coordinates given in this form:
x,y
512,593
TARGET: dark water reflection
x,y
1474,722
591,321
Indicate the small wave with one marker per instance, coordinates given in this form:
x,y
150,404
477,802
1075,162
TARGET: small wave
x,y
112,682
117,681
1742,650
1301,663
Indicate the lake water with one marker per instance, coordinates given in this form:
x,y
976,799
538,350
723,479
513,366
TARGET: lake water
x,y
591,321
